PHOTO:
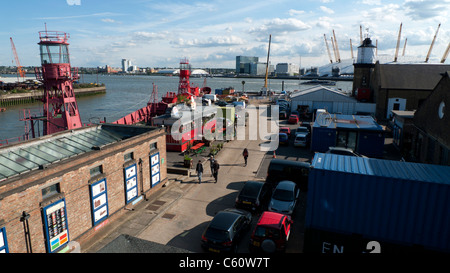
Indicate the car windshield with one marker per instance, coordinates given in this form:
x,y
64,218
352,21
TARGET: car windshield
x,y
283,195
217,234
250,190
303,130
267,232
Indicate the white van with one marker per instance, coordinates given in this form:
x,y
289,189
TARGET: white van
x,y
211,97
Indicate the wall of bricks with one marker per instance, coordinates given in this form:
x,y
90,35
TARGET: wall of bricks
x,y
24,193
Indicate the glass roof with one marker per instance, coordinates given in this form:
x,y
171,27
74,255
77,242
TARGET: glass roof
x,y
32,155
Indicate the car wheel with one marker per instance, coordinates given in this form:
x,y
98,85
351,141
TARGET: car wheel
x,y
268,246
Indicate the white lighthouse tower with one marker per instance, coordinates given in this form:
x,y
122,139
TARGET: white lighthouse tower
x,y
365,62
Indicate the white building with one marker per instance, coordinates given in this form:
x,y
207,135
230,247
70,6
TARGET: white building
x,y
126,64
332,100
287,69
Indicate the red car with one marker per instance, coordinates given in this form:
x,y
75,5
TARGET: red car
x,y
293,119
271,232
285,130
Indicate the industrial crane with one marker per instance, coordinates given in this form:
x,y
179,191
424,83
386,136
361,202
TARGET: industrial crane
x,y
20,71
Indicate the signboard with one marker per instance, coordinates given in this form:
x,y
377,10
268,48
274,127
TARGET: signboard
x,y
99,201
131,190
3,241
56,228
154,169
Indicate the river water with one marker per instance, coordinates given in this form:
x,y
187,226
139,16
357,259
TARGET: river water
x,y
128,93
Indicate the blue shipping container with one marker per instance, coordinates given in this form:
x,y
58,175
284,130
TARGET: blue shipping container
x,y
391,201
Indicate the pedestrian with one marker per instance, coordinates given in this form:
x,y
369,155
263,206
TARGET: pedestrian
x,y
199,170
216,170
211,164
245,154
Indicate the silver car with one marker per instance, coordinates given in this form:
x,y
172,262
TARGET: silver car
x,y
284,198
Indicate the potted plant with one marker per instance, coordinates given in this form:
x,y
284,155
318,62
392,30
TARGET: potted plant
x,y
187,161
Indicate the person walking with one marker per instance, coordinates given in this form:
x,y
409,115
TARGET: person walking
x,y
216,167
211,164
245,154
199,170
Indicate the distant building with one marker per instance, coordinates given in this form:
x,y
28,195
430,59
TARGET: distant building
x,y
243,64
287,69
259,69
126,64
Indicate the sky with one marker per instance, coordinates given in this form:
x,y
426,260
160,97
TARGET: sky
x,y
212,33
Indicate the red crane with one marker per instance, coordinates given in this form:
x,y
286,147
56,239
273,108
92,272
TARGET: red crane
x,y
20,71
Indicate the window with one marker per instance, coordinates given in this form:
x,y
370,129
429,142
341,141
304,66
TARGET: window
x,y
96,170
128,156
50,190
153,146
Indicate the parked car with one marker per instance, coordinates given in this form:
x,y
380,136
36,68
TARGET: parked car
x,y
281,169
301,140
222,103
343,151
225,230
283,114
254,196
283,139
301,129
293,119
285,130
284,198
271,232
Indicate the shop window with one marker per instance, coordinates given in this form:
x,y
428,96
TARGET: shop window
x,y
51,190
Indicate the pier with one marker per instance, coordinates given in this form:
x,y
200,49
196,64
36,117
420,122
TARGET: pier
x,y
34,96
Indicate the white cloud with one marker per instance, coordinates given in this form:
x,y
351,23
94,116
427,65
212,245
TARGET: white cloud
x,y
215,41
279,26
293,12
424,9
326,10
108,20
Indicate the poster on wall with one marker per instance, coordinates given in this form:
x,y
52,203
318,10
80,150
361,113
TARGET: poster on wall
x,y
154,169
3,241
99,201
131,190
56,228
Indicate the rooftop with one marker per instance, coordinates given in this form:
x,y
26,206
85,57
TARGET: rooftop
x,y
350,122
40,152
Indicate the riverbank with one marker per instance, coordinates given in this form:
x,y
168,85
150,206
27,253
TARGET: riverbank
x,y
37,95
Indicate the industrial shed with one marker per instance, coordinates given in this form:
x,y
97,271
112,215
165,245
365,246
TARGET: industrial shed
x,y
334,101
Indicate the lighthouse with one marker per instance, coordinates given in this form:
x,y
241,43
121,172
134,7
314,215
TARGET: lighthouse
x,y
365,62
60,107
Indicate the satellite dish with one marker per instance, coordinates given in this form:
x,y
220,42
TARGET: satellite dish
x,y
324,119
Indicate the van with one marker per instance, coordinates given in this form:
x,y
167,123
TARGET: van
x,y
295,171
211,97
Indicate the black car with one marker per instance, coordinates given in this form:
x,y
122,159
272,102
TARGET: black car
x,y
281,169
254,196
225,230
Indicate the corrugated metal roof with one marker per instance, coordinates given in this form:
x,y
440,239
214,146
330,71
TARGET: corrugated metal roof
x,y
383,168
352,122
38,153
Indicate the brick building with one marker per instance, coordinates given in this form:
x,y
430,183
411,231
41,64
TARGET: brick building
x,y
65,187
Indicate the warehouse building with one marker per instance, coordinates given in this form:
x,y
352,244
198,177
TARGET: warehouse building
x,y
330,99
63,188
